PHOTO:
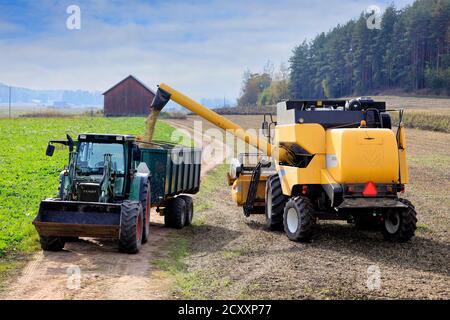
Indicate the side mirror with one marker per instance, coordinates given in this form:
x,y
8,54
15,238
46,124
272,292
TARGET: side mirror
x,y
265,129
136,154
50,150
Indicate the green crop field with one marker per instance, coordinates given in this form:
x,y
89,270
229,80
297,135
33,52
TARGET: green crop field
x,y
28,176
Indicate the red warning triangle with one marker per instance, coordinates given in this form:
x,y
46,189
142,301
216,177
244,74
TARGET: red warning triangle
x,y
370,190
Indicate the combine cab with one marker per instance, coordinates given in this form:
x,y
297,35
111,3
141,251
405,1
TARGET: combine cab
x,y
110,185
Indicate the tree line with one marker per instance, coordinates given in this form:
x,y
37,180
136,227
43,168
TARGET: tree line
x,y
409,52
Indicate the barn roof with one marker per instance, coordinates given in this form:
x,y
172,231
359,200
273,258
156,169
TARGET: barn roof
x,y
135,79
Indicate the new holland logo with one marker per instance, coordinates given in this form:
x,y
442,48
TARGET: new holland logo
x,y
372,155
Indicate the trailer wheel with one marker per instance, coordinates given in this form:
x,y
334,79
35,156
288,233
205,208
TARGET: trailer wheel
x,y
146,207
298,219
275,202
189,210
400,225
131,227
175,213
52,243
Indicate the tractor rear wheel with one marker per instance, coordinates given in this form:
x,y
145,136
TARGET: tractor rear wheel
x,y
298,219
400,224
175,213
131,227
146,207
52,243
189,210
275,202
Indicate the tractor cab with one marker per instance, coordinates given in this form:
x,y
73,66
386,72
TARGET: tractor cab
x,y
98,167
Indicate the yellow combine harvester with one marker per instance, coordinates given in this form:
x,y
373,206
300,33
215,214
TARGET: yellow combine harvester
x,y
327,160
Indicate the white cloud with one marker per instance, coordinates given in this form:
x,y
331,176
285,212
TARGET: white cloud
x,y
203,50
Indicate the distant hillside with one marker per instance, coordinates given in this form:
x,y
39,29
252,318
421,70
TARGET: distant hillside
x,y
62,98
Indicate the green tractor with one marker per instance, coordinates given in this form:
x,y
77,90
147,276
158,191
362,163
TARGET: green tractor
x,y
106,191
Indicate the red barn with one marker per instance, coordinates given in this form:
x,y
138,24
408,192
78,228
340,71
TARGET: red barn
x,y
130,97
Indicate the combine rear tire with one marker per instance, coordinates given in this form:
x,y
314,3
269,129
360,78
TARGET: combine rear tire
x,y
52,243
175,213
146,207
400,224
189,210
298,219
275,202
131,227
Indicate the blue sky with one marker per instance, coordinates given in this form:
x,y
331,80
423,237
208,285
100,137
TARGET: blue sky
x,y
200,47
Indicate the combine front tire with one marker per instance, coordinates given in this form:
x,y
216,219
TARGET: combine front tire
x,y
175,213
131,227
52,243
298,219
189,210
400,224
275,202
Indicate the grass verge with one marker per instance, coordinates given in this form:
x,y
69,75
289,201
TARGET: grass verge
x,y
191,284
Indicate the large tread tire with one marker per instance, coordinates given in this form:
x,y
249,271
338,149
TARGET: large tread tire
x,y
146,195
407,224
52,243
131,227
175,213
298,219
275,202
189,210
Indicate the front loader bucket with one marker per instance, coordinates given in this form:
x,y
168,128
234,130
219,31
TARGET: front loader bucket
x,y
78,219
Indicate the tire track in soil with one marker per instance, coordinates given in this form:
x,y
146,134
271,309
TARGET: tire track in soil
x,y
105,273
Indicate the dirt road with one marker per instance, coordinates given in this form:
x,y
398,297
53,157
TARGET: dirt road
x,y
104,273
235,257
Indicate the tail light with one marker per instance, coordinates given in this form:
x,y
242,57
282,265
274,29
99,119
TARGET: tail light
x,y
304,190
370,190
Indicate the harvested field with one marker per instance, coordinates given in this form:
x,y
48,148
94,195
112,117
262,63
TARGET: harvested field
x,y
226,255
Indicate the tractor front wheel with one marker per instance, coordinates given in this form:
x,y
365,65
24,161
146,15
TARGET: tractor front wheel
x,y
175,213
298,219
400,224
131,227
52,243
275,202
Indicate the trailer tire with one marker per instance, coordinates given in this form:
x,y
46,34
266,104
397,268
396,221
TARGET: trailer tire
x,y
275,202
298,219
189,210
400,225
146,205
131,227
52,243
175,213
